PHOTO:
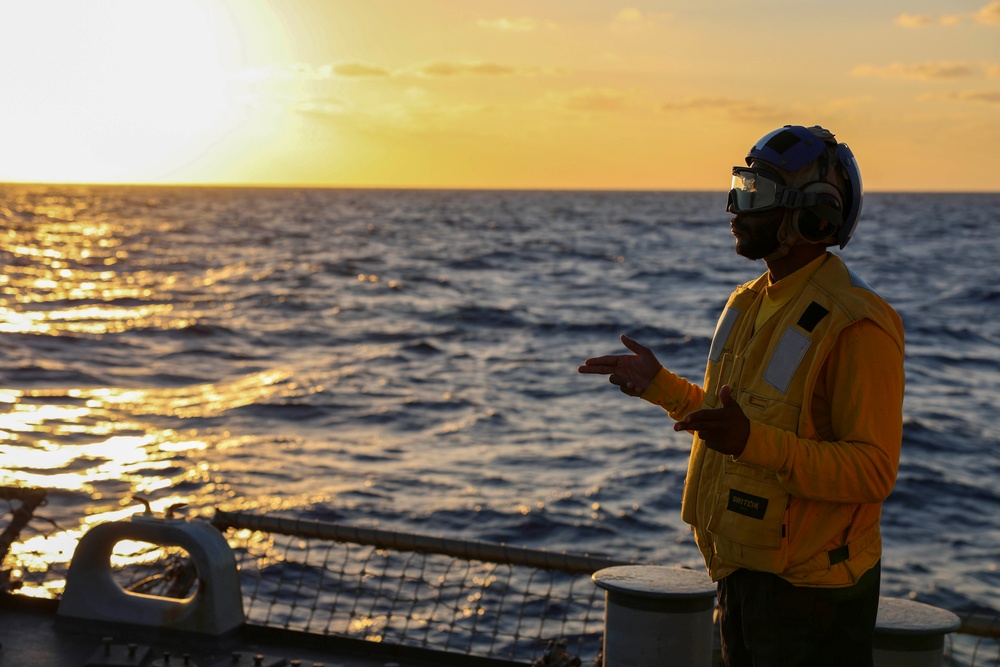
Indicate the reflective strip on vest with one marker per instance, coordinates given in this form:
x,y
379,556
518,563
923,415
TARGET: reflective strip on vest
x,y
858,281
786,359
722,331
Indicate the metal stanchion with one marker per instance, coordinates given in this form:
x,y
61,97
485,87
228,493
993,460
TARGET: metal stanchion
x,y
657,616
911,634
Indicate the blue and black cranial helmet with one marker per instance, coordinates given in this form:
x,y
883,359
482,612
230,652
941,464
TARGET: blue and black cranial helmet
x,y
831,190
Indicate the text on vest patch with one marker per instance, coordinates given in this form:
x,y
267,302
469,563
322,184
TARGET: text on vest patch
x,y
747,504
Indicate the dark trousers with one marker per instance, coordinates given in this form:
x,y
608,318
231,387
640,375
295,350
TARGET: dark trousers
x,y
764,621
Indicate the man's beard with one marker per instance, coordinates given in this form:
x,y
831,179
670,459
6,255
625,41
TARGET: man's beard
x,y
758,234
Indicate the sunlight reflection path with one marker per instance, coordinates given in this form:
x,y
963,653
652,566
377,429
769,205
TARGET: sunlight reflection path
x,y
104,275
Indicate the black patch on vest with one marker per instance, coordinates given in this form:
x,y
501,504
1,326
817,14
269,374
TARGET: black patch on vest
x,y
813,315
746,504
839,555
782,141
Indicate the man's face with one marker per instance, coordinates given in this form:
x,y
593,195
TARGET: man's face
x,y
757,233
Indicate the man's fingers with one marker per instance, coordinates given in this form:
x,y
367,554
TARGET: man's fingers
x,y
632,345
626,386
695,421
726,397
610,363
592,366
707,429
696,416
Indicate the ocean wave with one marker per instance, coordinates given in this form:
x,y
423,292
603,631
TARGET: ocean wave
x,y
409,358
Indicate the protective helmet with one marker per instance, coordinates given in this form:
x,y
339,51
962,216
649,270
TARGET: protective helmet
x,y
833,192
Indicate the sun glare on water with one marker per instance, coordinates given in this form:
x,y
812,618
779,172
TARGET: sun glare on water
x,y
74,270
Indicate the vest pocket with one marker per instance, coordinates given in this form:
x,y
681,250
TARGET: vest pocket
x,y
749,519
770,410
729,371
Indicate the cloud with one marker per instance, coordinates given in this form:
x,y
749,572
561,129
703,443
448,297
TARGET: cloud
x,y
308,72
445,69
631,18
596,99
523,24
988,96
972,96
412,109
732,107
936,71
990,14
628,16
697,103
431,69
358,70
913,20
920,20
591,99
449,69
324,106
302,72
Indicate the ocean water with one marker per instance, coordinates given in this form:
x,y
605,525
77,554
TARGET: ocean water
x,y
407,360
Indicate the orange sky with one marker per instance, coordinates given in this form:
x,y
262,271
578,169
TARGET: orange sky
x,y
492,93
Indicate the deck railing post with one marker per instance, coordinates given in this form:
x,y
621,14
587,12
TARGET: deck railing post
x,y
911,634
657,616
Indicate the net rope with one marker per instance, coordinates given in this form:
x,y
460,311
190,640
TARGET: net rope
x,y
481,599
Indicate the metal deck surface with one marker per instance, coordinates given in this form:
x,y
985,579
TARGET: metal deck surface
x,y
31,635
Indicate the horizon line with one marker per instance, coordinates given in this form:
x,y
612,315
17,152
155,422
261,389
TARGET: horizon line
x,y
460,188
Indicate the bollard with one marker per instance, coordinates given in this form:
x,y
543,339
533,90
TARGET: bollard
x,y
911,634
657,616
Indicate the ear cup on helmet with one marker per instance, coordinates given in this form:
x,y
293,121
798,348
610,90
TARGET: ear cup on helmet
x,y
821,221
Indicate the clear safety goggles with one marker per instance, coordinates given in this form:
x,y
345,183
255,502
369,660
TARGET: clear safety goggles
x,y
754,190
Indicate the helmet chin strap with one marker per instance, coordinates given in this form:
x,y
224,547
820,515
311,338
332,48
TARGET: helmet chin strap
x,y
788,235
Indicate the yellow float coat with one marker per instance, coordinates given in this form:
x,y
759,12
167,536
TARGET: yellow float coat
x,y
819,373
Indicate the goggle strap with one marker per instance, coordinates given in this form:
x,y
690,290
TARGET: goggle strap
x,y
791,198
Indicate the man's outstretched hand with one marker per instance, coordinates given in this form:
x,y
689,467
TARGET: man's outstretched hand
x,y
724,429
632,373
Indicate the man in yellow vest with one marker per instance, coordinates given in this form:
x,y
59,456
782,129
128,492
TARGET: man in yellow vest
x,y
798,423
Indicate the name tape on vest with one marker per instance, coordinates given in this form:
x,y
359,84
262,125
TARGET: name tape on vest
x,y
747,504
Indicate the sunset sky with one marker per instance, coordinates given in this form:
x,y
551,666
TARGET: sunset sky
x,y
492,93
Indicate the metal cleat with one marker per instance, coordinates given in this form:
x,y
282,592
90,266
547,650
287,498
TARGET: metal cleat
x,y
119,655
238,659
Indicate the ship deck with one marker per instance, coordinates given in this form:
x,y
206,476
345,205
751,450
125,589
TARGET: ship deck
x,y
31,633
